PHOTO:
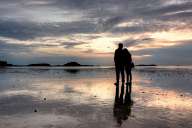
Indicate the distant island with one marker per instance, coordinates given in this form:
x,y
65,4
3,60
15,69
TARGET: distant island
x,y
74,64
69,64
4,63
39,64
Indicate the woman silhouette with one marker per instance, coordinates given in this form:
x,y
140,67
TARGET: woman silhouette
x,y
128,64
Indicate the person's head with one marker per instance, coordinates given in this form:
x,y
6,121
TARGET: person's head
x,y
126,51
120,46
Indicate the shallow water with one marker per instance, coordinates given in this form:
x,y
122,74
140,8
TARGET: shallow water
x,y
56,97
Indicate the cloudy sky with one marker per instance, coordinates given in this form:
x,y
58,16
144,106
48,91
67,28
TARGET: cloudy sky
x,y
88,31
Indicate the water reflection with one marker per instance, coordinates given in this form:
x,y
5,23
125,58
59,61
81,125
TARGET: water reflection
x,y
122,104
72,71
87,99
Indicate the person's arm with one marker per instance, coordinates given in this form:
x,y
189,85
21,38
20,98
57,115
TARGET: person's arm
x,y
132,63
131,58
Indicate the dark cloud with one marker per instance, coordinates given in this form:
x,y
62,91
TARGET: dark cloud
x,y
72,44
111,22
104,13
29,30
185,17
162,10
134,42
12,47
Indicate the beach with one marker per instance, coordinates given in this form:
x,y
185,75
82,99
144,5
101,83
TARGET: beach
x,y
84,97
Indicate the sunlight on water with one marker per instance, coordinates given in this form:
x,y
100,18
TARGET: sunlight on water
x,y
162,98
87,97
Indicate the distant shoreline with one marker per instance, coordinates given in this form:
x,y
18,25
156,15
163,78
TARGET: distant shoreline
x,y
146,65
4,64
69,64
32,65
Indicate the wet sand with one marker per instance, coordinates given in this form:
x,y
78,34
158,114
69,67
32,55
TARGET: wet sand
x,y
86,97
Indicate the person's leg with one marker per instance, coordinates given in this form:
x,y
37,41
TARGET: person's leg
x,y
130,76
122,74
117,74
130,87
117,95
128,95
130,80
121,94
127,74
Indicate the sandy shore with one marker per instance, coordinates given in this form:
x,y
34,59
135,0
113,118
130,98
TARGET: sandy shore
x,y
84,98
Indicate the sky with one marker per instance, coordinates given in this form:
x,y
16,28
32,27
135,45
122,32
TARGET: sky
x,y
88,31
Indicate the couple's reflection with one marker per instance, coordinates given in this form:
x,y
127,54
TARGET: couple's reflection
x,y
122,104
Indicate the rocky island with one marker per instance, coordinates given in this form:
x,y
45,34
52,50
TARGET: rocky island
x,y
4,63
73,64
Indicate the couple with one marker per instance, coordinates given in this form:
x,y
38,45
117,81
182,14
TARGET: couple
x,y
123,61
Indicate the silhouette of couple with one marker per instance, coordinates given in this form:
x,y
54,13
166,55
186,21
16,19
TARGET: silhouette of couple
x,y
123,61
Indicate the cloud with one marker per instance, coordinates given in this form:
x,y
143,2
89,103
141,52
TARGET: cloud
x,y
72,44
172,55
33,21
88,51
51,16
134,42
169,9
12,47
30,30
184,16
111,22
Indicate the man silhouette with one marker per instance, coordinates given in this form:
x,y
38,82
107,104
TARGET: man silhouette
x,y
119,63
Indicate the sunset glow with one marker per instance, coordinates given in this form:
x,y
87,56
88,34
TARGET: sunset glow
x,y
50,29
